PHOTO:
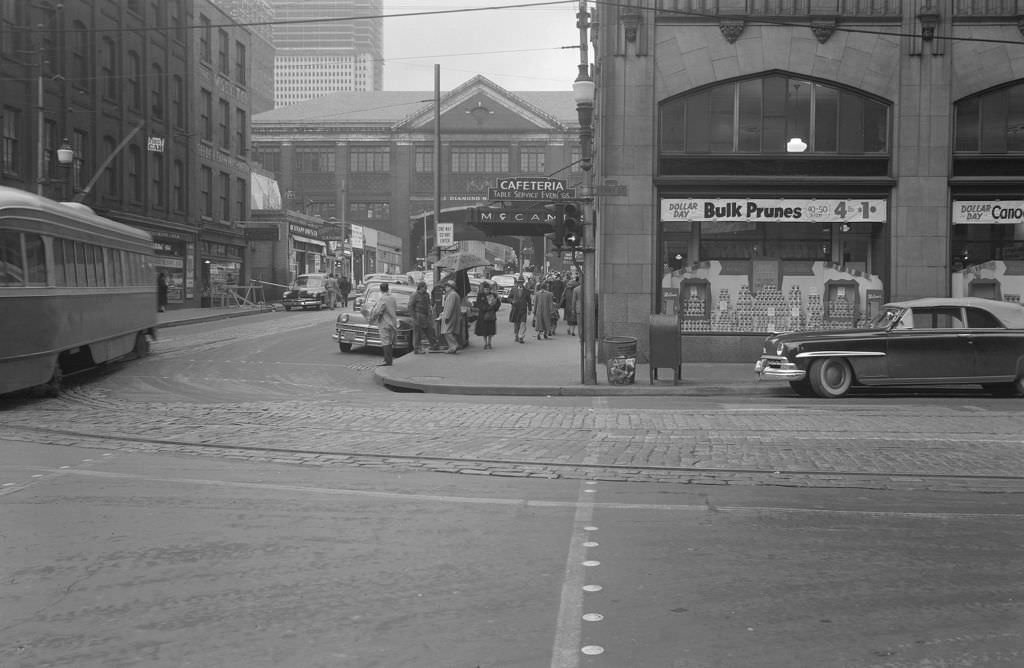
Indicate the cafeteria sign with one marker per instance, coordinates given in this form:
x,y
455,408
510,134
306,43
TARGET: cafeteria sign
x,y
775,210
988,212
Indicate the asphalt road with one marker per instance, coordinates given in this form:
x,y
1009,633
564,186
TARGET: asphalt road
x,y
247,496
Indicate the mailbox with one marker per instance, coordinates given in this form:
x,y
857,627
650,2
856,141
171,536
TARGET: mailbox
x,y
665,345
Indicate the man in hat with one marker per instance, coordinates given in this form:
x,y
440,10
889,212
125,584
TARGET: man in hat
x,y
522,303
451,316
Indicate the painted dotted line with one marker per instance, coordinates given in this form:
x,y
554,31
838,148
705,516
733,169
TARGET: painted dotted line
x,y
591,650
10,487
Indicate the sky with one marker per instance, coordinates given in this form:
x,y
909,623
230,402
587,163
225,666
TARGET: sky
x,y
518,48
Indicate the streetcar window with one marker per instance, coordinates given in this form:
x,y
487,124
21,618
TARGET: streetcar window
x,y
11,269
119,268
35,259
95,255
59,269
81,277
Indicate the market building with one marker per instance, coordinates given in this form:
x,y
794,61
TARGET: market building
x,y
366,160
796,165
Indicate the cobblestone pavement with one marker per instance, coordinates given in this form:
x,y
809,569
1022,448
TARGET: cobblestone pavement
x,y
929,444
892,446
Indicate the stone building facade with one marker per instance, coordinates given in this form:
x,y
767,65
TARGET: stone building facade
x,y
796,164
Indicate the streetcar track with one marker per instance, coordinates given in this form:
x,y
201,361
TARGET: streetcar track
x,y
582,469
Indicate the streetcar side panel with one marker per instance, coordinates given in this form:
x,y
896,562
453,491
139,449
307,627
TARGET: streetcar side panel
x,y
76,289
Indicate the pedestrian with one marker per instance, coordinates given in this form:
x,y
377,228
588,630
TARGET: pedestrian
x,y
161,292
451,317
333,291
569,304
344,287
520,300
422,311
385,312
542,307
487,305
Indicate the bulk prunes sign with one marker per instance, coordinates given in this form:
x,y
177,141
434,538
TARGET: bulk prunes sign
x,y
775,210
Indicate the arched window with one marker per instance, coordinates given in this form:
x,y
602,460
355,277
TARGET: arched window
x,y
763,115
992,122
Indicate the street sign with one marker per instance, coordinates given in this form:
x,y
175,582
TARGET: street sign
x,y
445,234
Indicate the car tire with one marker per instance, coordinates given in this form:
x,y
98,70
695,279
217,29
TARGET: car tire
x,y
1014,389
287,308
802,387
344,347
830,377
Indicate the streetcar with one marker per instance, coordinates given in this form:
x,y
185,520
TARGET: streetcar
x,y
76,291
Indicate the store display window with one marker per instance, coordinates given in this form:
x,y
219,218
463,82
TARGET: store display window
x,y
752,277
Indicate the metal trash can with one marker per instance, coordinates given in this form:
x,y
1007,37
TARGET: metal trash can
x,y
665,350
620,359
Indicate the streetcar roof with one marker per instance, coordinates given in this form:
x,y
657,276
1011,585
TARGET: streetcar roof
x,y
14,199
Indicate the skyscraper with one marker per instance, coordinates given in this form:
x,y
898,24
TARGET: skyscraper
x,y
327,46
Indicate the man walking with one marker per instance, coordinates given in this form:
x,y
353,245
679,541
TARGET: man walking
x,y
331,285
521,300
344,287
451,316
387,310
422,310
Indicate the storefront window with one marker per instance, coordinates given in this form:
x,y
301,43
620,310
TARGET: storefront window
x,y
988,249
768,269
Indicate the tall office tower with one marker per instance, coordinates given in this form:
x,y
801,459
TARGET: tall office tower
x,y
327,46
257,16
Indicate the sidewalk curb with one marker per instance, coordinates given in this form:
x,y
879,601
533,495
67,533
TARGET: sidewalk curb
x,y
389,381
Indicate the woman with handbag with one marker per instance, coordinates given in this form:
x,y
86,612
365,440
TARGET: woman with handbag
x,y
487,305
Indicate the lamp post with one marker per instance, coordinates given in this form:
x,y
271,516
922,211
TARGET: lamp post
x,y
583,94
65,158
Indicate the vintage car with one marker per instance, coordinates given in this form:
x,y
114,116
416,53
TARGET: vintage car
x,y
936,341
353,329
307,291
504,283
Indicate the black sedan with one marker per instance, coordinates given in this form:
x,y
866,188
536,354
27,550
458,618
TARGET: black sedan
x,y
353,328
936,341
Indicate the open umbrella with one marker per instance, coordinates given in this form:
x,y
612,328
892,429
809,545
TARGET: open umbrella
x,y
458,261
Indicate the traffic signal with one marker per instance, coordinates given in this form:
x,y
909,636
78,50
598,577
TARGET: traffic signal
x,y
572,227
557,217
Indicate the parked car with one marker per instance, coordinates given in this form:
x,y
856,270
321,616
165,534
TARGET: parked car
x,y
936,341
376,279
307,291
353,329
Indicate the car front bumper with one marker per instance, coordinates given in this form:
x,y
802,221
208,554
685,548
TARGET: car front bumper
x,y
778,368
303,302
370,336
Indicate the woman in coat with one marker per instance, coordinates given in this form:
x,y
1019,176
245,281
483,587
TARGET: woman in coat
x,y
487,305
569,304
542,307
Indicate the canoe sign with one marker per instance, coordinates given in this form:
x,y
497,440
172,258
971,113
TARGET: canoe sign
x,y
525,188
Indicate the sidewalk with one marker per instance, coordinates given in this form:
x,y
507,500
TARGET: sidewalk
x,y
548,367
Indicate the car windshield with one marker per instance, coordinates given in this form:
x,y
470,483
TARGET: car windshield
x,y
887,317
308,282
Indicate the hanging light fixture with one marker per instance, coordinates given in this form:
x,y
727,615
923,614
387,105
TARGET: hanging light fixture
x,y
66,153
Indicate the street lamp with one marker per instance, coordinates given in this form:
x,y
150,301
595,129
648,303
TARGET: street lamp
x,y
66,153
583,90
